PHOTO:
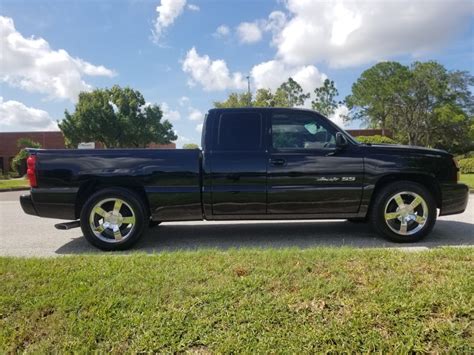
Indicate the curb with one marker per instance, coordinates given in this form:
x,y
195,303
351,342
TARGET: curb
x,y
14,189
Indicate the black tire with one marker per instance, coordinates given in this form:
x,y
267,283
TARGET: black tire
x,y
132,207
385,199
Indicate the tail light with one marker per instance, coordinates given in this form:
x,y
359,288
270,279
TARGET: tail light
x,y
31,172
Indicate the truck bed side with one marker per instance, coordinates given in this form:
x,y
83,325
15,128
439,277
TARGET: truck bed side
x,y
169,180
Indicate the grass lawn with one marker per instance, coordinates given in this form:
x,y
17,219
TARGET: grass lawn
x,y
468,179
248,300
9,183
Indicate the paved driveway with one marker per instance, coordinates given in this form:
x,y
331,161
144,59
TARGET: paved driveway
x,y
24,235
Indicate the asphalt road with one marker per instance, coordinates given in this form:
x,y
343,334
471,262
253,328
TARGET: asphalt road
x,y
24,235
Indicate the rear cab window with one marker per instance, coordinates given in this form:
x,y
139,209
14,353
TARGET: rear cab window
x,y
239,131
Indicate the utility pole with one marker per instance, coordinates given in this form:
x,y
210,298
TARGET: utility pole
x,y
248,91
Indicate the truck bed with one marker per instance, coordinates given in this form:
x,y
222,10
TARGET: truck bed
x,y
168,178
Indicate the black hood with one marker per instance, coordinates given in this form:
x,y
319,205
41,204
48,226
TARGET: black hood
x,y
404,149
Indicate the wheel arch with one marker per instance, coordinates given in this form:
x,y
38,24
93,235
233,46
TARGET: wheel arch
x,y
426,180
90,187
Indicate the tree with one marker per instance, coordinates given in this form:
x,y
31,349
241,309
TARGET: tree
x,y
19,161
324,101
264,98
423,104
290,94
235,100
116,117
373,93
190,146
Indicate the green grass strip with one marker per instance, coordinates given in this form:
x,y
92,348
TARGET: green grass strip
x,y
11,183
468,179
249,300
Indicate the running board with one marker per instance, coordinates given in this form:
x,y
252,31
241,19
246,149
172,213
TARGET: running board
x,y
68,225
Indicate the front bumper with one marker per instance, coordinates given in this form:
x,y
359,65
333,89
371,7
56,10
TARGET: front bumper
x,y
454,199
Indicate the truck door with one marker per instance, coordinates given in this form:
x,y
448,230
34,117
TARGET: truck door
x,y
306,174
238,163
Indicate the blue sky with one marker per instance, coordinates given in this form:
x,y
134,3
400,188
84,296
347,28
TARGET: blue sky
x,y
176,56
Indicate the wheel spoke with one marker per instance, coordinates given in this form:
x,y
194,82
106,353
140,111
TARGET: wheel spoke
x,y
399,200
403,227
100,211
117,205
415,203
117,233
100,228
392,215
128,220
420,219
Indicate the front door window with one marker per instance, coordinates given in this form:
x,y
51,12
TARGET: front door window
x,y
301,132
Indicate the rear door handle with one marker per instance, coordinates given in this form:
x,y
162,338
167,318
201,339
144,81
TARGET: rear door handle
x,y
278,162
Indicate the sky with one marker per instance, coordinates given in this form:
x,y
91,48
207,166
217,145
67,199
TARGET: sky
x,y
185,54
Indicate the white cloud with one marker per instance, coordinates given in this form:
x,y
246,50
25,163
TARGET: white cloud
x,y
215,75
169,114
338,116
16,116
275,23
211,74
249,32
193,7
183,101
252,32
31,64
353,32
195,114
199,127
222,31
168,11
270,75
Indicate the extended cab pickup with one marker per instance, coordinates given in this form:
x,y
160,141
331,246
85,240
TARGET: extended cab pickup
x,y
255,163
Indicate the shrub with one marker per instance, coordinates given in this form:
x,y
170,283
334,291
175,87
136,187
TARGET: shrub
x,y
466,166
190,146
377,139
469,154
20,159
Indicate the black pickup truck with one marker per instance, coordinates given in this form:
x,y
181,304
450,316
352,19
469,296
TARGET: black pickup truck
x,y
255,163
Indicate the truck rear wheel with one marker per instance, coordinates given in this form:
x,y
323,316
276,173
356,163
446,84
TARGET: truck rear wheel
x,y
404,212
113,219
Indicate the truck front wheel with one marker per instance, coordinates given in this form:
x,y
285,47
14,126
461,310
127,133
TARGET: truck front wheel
x,y
113,219
404,212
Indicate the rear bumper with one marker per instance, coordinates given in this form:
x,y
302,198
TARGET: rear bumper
x,y
50,203
454,198
27,205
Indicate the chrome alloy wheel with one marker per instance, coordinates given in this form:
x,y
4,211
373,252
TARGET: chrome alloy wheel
x,y
406,213
112,220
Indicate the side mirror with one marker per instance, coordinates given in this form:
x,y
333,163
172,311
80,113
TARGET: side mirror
x,y
341,141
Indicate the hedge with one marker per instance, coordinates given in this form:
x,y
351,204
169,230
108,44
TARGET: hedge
x,y
466,166
376,139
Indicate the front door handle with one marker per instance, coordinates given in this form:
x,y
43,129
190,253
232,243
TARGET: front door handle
x,y
278,162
